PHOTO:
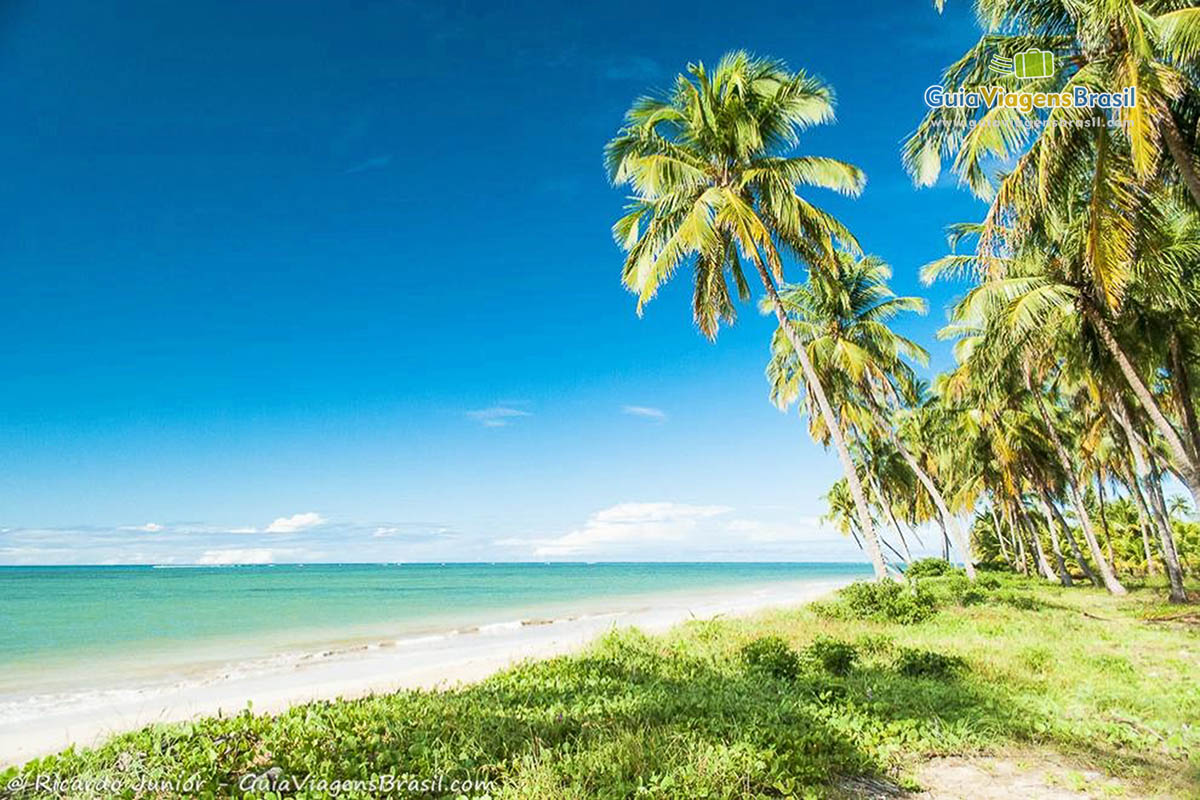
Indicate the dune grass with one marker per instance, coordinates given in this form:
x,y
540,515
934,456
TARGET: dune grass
x,y
779,705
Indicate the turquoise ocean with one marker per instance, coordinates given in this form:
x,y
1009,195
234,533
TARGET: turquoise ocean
x,y
64,628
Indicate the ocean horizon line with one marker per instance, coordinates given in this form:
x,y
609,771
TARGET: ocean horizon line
x,y
156,565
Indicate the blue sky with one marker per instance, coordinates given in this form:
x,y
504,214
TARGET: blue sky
x,y
334,281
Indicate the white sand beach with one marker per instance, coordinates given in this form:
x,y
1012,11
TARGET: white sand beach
x,y
48,724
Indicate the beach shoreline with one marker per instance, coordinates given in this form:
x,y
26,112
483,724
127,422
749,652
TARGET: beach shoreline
x,y
460,656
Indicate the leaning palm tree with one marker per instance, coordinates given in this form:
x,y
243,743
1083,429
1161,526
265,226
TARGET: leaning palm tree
x,y
1103,174
715,185
1008,366
891,481
840,511
843,317
1070,269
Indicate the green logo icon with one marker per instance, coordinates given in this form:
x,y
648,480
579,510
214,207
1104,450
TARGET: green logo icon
x,y
1030,64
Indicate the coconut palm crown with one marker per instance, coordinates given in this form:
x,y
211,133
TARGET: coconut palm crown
x,y
714,185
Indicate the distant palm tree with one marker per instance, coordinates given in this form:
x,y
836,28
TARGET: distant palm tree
x,y
840,511
1179,507
892,482
715,185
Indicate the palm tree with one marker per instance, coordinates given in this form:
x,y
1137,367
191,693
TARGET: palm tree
x,y
1079,191
1002,372
912,430
715,185
891,480
1151,45
1049,279
843,317
840,511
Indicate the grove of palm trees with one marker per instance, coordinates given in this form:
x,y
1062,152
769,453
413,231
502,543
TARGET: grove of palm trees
x,y
1064,442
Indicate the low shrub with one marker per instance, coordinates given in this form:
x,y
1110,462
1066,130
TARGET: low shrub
x,y
883,601
929,568
875,643
987,581
1018,601
835,657
772,655
914,663
822,689
960,590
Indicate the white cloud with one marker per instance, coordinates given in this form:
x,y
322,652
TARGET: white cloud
x,y
260,555
410,532
649,412
496,416
191,542
149,527
624,525
296,522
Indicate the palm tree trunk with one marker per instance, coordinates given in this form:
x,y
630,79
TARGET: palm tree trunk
x,y
831,423
1025,549
1182,384
1018,541
895,552
1053,528
1145,519
1066,529
1039,555
887,506
1044,565
1104,520
1166,535
1179,453
1146,477
1054,539
912,531
999,533
1151,567
857,541
1128,476
1085,521
1180,155
964,544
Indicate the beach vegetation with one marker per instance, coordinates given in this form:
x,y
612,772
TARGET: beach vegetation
x,y
772,655
835,656
903,602
928,568
788,703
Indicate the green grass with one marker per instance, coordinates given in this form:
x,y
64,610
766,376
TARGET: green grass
x,y
703,711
